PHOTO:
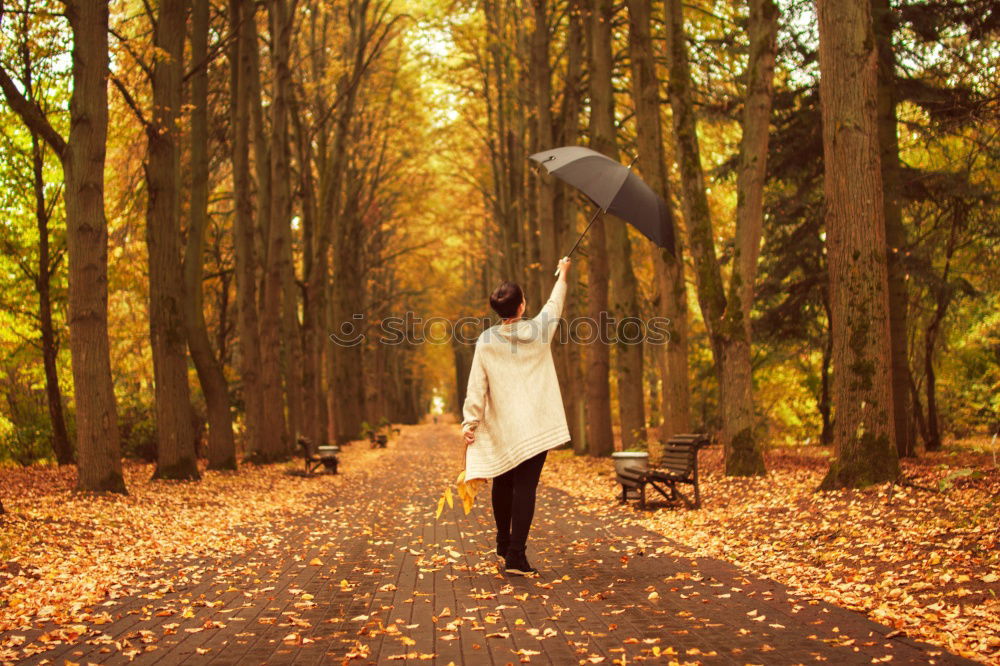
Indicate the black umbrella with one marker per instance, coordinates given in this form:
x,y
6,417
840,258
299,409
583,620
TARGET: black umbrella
x,y
614,188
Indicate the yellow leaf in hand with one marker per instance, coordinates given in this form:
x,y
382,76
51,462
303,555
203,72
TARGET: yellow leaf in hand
x,y
440,508
448,498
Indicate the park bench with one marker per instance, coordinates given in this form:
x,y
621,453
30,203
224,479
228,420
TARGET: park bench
x,y
325,456
679,465
379,440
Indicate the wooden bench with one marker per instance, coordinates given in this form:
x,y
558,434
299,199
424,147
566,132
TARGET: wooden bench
x,y
679,465
377,440
325,456
380,440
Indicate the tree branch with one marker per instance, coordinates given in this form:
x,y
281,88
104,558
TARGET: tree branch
x,y
135,56
129,100
31,114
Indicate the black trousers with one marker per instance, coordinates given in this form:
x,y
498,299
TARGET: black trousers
x,y
514,503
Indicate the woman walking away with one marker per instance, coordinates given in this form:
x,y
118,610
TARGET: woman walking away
x,y
513,412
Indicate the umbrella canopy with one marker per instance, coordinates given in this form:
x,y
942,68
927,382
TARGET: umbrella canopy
x,y
614,188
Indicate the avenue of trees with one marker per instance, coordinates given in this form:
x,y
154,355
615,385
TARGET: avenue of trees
x,y
198,193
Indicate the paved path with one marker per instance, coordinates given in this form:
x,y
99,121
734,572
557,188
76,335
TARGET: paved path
x,y
372,577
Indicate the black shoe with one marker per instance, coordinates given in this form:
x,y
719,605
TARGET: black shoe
x,y
517,564
501,551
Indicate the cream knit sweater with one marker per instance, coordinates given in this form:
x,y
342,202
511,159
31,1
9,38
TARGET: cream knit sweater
x,y
513,402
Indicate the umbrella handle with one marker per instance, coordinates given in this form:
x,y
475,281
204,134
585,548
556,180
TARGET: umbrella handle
x,y
577,244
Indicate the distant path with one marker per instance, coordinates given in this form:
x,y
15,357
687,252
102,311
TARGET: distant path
x,y
372,577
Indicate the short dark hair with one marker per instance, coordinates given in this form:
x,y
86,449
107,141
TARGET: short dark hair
x,y
506,299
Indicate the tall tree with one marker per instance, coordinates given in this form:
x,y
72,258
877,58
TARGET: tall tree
x,y
864,443
43,284
83,157
727,312
669,268
270,153
551,201
242,18
48,261
282,15
176,457
568,212
624,299
600,439
221,444
895,234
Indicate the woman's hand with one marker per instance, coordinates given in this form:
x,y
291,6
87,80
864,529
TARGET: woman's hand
x,y
470,437
563,268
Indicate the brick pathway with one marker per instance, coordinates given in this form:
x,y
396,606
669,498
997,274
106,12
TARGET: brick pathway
x,y
371,577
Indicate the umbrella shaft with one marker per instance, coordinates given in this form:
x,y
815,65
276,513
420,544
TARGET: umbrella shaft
x,y
589,225
577,243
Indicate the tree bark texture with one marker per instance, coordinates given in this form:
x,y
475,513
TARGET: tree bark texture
x,y
600,437
895,234
221,444
43,283
551,200
669,268
864,441
242,16
175,452
623,302
97,438
727,318
281,205
273,196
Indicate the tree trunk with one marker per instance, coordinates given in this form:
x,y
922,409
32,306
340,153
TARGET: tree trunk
x,y
668,268
175,452
221,445
895,234
826,435
933,429
743,455
864,442
727,318
60,437
551,213
568,213
600,436
273,195
83,157
942,299
97,443
624,302
314,256
350,323
46,269
281,218
242,16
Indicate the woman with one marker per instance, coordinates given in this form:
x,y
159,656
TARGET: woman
x,y
513,412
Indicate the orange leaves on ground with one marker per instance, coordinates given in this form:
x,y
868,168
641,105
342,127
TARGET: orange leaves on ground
x,y
920,560
65,552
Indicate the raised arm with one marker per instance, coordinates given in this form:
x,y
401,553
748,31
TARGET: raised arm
x,y
475,397
550,313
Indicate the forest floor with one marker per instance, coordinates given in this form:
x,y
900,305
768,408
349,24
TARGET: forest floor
x,y
923,557
265,565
